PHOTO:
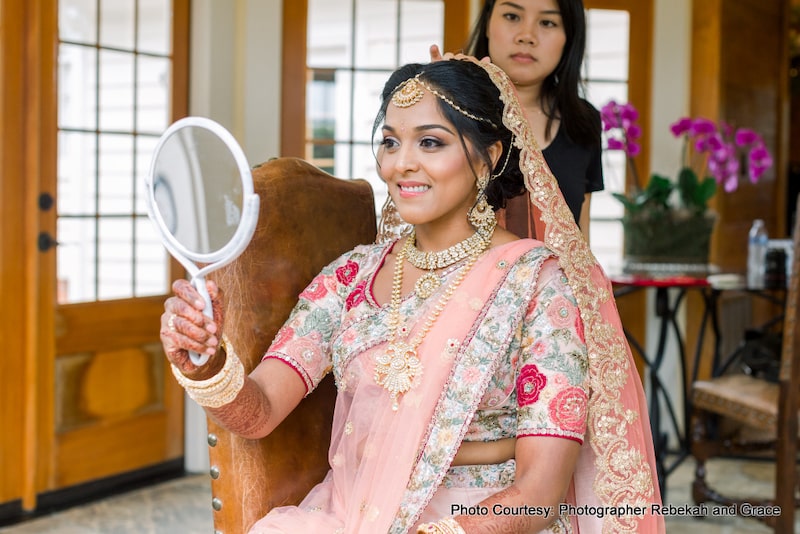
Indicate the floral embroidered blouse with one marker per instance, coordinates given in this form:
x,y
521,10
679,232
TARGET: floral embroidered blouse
x,y
538,389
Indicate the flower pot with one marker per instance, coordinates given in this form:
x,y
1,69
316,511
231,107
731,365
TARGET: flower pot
x,y
667,238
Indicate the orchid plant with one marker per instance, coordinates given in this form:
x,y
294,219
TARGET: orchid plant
x,y
713,151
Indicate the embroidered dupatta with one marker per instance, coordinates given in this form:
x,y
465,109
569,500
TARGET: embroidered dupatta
x,y
385,464
616,467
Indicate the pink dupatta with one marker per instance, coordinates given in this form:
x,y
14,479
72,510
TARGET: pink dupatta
x,y
616,468
386,465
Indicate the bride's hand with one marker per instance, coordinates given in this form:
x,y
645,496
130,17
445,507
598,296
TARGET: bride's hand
x,y
185,328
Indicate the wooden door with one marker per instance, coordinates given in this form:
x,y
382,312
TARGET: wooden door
x,y
87,396
117,410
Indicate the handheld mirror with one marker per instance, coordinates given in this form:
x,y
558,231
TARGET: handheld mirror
x,y
200,197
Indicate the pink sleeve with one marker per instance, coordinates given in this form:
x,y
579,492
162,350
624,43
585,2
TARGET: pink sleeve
x,y
553,367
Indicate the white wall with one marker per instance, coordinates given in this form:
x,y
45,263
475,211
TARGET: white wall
x,y
670,101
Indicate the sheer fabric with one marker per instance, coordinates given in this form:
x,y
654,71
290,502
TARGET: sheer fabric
x,y
617,467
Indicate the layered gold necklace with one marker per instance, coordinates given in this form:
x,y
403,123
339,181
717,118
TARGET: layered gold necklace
x,y
397,368
428,283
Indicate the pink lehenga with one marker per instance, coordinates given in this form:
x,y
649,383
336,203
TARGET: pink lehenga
x,y
388,466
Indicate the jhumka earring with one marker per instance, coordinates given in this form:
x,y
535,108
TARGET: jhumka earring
x,y
481,216
391,226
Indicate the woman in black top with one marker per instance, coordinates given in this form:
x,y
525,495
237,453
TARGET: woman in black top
x,y
540,45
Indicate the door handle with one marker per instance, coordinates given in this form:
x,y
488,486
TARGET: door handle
x,y
45,242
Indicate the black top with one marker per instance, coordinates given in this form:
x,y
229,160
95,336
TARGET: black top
x,y
578,169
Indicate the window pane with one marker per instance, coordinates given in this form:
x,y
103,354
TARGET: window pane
x,y
116,23
77,173
608,45
152,268
365,166
76,260
152,94
421,25
145,146
376,34
155,33
600,93
367,89
77,87
606,69
76,20
116,174
116,91
330,29
115,255
606,238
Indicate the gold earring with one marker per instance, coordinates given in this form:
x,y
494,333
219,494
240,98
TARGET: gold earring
x,y
391,226
481,216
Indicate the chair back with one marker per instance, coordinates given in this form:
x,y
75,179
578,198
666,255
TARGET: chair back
x,y
307,219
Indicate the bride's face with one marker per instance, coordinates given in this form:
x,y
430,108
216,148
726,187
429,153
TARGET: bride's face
x,y
425,167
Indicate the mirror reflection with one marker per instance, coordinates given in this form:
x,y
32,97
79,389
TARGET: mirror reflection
x,y
197,188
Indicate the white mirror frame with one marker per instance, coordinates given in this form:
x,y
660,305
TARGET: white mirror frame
x,y
244,232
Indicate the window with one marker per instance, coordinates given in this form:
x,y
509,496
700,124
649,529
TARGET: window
x,y
352,47
618,65
607,77
114,101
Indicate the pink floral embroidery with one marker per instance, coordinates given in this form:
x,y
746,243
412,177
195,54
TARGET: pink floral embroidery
x,y
315,291
529,384
471,375
347,272
539,349
357,296
561,312
568,409
283,335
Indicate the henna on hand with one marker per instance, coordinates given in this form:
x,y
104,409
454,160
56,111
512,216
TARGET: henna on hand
x,y
248,415
507,523
185,328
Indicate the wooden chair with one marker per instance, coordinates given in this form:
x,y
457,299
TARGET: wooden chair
x,y
760,407
307,219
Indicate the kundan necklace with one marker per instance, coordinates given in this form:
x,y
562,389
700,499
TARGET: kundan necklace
x,y
429,282
397,368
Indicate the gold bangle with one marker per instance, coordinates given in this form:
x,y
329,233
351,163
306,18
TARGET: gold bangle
x,y
219,389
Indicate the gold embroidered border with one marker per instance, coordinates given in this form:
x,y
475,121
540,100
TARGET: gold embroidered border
x,y
623,474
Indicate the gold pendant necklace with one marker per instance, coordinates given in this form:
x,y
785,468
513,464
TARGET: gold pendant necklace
x,y
427,284
399,366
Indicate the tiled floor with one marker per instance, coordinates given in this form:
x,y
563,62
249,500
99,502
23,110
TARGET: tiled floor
x,y
183,506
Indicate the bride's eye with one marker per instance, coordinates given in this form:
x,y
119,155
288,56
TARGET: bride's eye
x,y
430,142
388,142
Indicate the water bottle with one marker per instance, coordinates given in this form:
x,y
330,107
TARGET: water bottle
x,y
756,254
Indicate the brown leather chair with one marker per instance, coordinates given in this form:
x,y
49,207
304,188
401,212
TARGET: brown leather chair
x,y
748,406
307,219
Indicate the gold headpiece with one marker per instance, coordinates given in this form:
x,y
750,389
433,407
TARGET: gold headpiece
x,y
411,91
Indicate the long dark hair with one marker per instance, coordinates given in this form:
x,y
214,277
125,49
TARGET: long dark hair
x,y
470,88
560,90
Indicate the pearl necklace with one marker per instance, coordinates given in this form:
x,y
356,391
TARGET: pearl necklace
x,y
428,283
397,368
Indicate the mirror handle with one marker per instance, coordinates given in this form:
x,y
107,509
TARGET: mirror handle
x,y
199,283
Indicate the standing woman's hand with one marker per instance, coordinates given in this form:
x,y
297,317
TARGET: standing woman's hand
x,y
436,54
184,327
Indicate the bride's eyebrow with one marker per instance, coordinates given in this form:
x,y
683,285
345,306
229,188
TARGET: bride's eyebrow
x,y
422,128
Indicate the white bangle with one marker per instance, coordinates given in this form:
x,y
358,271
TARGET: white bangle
x,y
219,389
447,525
